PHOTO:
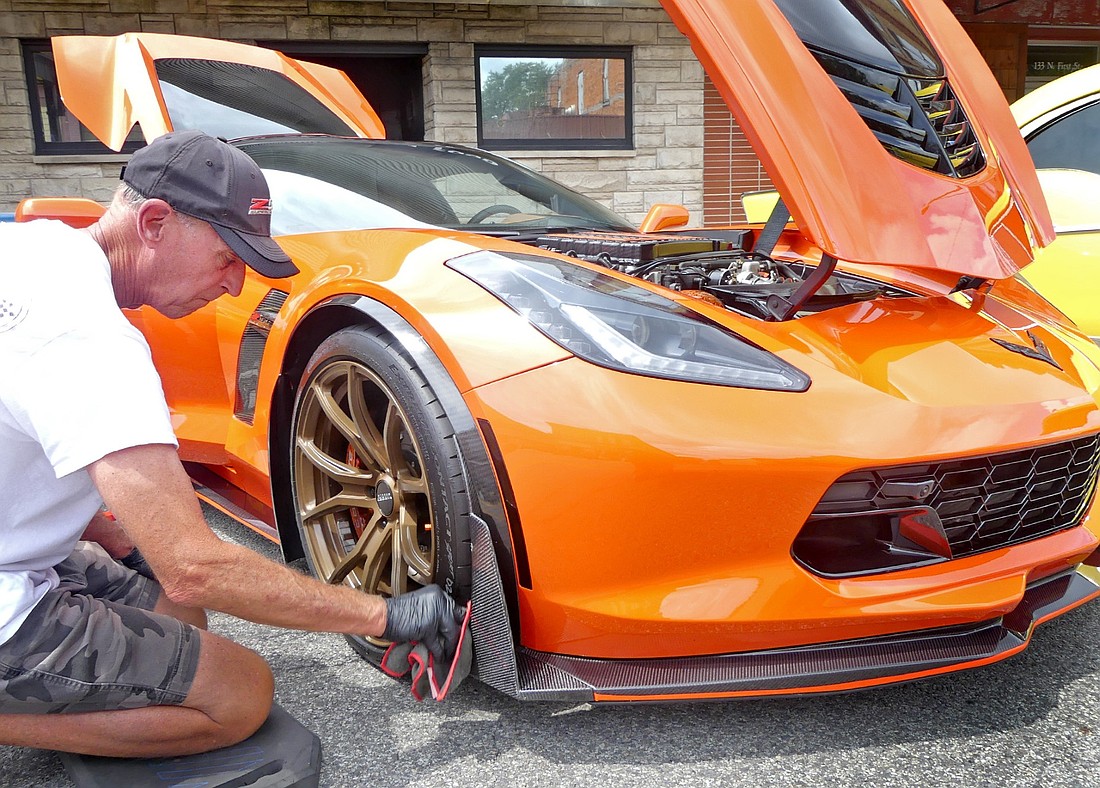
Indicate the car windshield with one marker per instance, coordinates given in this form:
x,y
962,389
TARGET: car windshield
x,y
328,183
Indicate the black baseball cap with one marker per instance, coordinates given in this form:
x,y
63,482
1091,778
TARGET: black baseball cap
x,y
205,177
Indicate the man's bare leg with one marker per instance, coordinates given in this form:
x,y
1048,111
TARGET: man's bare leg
x,y
229,700
195,616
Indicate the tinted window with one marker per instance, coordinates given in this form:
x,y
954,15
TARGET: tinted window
x,y
1071,142
344,184
878,33
554,97
233,100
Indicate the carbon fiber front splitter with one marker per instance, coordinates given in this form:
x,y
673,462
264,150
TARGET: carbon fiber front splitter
x,y
832,667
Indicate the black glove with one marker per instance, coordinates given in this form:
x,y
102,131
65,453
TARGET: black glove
x,y
136,561
426,616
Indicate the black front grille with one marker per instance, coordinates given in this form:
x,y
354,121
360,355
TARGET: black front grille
x,y
919,121
983,502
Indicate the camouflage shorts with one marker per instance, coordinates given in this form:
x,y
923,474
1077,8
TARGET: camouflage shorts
x,y
93,644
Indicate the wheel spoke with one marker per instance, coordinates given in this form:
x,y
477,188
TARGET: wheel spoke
x,y
411,485
407,533
399,573
392,429
377,557
369,440
333,468
364,553
342,422
336,503
324,540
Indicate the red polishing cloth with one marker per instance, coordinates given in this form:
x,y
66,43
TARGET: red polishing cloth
x,y
428,678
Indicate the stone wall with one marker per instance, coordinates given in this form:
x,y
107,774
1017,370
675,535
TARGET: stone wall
x,y
665,166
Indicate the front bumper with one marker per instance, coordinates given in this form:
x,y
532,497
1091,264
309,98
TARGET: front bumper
x,y
832,667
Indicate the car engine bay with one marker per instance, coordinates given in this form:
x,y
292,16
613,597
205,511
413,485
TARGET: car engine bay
x,y
721,268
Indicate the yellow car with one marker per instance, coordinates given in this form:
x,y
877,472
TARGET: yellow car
x,y
1061,123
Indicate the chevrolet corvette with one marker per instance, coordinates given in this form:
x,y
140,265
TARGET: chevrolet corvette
x,y
836,449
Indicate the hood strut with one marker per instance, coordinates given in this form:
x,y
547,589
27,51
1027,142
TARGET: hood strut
x,y
782,308
769,236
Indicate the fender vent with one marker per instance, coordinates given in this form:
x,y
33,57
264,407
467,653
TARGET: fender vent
x,y
252,352
919,121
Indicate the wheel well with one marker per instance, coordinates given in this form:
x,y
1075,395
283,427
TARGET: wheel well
x,y
356,310
314,329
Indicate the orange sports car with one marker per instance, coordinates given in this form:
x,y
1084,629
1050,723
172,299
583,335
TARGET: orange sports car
x,y
799,456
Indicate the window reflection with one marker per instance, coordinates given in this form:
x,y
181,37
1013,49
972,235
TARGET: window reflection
x,y
189,111
554,101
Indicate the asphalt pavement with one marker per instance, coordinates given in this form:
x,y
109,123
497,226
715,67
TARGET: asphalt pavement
x,y
1032,720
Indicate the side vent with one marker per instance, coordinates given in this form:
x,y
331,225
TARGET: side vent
x,y
252,352
917,120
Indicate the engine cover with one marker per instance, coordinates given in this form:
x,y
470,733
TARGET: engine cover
x,y
628,249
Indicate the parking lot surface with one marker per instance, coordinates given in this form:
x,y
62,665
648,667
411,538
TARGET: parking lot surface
x,y
1029,721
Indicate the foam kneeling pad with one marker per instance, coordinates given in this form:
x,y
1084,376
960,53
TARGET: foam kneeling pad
x,y
281,754
429,679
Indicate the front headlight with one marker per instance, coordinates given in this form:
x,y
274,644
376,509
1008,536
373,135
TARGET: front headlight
x,y
619,325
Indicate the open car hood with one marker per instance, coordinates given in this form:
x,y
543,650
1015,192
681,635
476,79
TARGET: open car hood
x,y
168,82
840,147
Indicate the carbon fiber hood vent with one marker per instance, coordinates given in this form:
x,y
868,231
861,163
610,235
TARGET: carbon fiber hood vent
x,y
919,121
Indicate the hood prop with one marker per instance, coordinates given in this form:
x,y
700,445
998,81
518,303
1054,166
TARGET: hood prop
x,y
785,307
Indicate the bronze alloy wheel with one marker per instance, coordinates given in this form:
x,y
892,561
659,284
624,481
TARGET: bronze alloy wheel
x,y
373,461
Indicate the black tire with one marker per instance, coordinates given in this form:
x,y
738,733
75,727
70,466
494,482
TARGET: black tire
x,y
377,481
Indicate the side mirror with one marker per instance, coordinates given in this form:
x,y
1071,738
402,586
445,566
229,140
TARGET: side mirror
x,y
74,211
664,215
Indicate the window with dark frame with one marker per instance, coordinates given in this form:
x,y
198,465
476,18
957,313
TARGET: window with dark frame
x,y
554,98
398,98
56,130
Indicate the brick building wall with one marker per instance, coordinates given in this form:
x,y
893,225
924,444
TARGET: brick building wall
x,y
664,166
730,167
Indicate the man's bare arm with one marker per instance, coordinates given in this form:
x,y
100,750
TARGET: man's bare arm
x,y
146,488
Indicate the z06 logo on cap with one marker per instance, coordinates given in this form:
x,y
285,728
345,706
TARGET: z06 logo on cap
x,y
259,205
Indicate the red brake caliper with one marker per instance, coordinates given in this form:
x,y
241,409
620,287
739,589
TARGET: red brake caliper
x,y
358,519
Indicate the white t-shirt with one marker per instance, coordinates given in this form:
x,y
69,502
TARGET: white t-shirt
x,y
77,382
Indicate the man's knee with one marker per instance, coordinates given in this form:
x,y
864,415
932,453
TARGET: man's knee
x,y
233,686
